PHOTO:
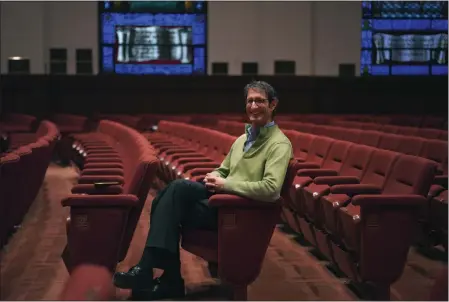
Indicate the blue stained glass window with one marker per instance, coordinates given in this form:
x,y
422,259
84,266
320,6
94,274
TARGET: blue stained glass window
x,y
404,38
439,69
146,43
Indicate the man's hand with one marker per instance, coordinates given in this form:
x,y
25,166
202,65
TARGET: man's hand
x,y
214,183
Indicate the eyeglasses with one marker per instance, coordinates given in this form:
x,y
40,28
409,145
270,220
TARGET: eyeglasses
x,y
257,101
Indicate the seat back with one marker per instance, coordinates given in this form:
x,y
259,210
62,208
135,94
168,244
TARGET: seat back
x,y
371,126
410,131
391,129
9,175
410,145
428,133
293,167
350,135
302,142
389,141
357,160
306,128
319,149
437,151
370,138
336,155
410,175
378,167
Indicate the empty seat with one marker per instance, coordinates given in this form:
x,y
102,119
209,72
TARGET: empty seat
x,y
352,170
379,228
429,133
370,138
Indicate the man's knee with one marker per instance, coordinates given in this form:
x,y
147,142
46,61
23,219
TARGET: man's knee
x,y
180,183
189,187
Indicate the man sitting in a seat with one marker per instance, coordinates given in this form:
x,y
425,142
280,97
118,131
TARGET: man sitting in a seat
x,y
255,168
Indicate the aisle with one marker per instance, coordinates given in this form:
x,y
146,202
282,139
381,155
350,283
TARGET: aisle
x,y
31,267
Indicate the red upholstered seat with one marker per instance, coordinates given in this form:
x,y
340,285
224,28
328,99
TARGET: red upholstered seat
x,y
245,228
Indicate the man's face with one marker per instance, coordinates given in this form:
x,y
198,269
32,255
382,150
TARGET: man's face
x,y
258,109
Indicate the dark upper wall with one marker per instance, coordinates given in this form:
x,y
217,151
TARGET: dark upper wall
x,y
42,95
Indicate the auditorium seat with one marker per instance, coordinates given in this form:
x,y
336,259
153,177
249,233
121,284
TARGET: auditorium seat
x,y
237,253
376,228
110,217
351,171
437,151
438,218
429,133
373,177
408,131
390,129
148,121
400,143
330,166
435,122
21,139
16,122
192,151
22,172
218,147
370,138
313,159
370,126
70,123
301,142
9,176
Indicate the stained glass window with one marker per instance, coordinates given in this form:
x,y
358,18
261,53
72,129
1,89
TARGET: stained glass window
x,y
153,37
404,38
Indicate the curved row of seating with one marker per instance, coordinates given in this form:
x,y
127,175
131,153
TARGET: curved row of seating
x,y
435,150
432,149
360,207
22,172
429,133
413,121
370,221
426,121
17,122
117,168
349,132
397,124
196,155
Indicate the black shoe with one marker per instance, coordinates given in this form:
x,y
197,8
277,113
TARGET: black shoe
x,y
135,278
163,288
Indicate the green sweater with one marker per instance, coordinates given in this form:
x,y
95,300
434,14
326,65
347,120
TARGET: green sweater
x,y
258,173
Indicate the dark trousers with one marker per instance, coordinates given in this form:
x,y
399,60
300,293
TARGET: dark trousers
x,y
182,204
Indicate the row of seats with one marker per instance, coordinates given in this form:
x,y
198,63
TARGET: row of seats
x,y
117,166
434,122
426,121
359,206
16,122
429,133
22,172
232,251
371,219
399,124
367,137
434,150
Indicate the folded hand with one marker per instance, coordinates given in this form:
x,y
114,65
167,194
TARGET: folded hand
x,y
214,183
